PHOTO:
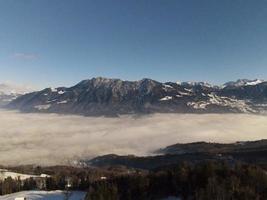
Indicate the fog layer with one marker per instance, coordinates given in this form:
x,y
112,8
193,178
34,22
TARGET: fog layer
x,y
49,139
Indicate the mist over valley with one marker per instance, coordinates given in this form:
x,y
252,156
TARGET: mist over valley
x,y
50,139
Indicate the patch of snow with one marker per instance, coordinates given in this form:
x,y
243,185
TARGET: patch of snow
x,y
53,89
61,92
20,198
44,175
166,87
240,105
255,82
184,93
243,82
188,90
62,102
194,83
166,98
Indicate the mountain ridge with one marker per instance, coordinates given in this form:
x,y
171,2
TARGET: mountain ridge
x,y
105,96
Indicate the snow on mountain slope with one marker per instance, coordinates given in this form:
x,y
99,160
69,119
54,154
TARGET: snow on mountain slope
x,y
255,82
45,195
112,97
194,83
243,82
213,99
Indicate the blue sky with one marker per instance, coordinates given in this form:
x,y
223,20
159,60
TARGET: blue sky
x,y
60,42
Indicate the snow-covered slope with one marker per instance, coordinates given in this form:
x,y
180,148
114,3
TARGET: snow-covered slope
x,y
45,195
5,173
243,82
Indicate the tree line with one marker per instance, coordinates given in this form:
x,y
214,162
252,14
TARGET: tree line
x,y
202,181
206,181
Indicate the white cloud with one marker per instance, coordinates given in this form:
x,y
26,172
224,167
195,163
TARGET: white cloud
x,y
55,139
9,88
25,56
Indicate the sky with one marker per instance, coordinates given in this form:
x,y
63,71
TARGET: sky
x,y
61,42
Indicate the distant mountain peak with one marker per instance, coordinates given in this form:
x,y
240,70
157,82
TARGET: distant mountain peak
x,y
104,79
243,82
195,83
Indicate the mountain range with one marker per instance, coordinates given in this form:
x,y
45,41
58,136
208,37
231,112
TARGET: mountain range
x,y
112,97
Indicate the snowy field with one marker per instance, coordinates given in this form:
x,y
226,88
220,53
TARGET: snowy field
x,y
51,139
44,195
5,173
54,195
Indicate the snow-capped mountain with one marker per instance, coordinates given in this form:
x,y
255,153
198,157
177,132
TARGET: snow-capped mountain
x,y
104,96
9,92
243,82
193,83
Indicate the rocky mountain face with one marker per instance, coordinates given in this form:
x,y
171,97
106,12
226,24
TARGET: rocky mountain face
x,y
103,96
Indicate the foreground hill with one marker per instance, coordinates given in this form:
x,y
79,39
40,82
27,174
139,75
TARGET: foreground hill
x,y
249,152
204,147
201,171
103,96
